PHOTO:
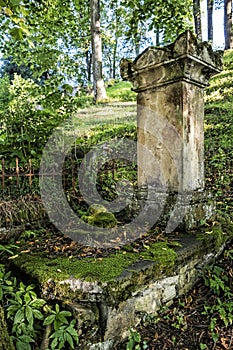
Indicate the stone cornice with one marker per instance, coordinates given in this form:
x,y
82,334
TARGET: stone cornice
x,y
184,60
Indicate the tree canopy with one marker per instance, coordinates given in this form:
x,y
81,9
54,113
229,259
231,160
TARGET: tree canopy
x,y
53,38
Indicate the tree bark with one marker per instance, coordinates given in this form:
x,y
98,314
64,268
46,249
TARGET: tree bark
x,y
210,7
157,37
5,341
228,24
98,82
89,64
114,58
197,18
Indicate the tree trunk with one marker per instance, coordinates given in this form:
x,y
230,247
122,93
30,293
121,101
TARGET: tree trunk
x,y
98,82
197,18
5,341
157,37
210,7
89,64
228,24
114,57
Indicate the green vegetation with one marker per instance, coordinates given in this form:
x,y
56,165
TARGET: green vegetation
x,y
92,269
30,319
121,92
27,314
29,113
218,137
135,340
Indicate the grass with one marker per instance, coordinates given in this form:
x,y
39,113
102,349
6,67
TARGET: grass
x,y
121,91
218,137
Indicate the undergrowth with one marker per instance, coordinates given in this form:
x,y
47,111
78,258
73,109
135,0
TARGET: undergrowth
x,y
32,322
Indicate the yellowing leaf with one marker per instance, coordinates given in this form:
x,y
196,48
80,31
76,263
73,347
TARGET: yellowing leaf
x,y
13,257
8,11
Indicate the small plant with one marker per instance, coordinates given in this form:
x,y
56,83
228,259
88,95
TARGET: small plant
x,y
63,330
28,234
64,334
23,310
135,341
7,283
216,280
179,321
222,309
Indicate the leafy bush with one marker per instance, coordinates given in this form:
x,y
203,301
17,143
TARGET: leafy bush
x,y
25,124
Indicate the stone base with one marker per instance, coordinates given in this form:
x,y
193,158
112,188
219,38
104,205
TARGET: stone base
x,y
106,313
186,211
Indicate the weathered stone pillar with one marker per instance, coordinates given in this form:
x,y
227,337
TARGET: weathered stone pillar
x,y
170,83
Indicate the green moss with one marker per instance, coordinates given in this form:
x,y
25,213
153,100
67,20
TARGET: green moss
x,y
221,231
99,216
91,269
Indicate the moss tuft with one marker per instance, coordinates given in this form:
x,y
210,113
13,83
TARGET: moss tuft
x,y
99,216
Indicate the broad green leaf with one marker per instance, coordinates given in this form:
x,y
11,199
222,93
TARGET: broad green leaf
x,y
26,338
27,298
37,314
62,318
29,316
22,346
54,343
15,2
19,316
57,324
49,320
37,303
69,339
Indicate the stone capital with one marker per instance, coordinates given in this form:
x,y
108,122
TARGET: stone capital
x,y
184,60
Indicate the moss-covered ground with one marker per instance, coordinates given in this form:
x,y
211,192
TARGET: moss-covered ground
x,y
66,258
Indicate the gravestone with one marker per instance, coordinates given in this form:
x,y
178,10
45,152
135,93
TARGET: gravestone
x,y
170,83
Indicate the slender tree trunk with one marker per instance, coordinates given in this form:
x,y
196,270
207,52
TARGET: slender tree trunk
x,y
110,65
98,82
114,58
137,39
210,7
197,18
157,37
89,64
228,24
137,46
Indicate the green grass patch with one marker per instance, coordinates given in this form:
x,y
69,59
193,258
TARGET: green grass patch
x,y
218,137
121,92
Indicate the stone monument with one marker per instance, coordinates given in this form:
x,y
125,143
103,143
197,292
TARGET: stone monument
x,y
170,83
